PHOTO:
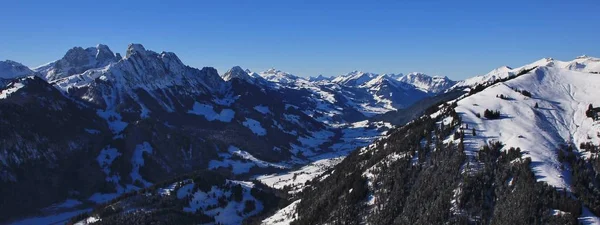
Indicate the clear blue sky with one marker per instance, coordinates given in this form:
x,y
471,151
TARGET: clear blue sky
x,y
458,39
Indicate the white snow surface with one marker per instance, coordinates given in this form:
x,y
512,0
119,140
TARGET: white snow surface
x,y
296,179
105,159
226,115
283,216
262,109
241,166
11,88
114,120
582,64
137,161
255,127
563,97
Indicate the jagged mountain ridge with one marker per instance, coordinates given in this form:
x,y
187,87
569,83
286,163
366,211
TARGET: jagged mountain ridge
x,y
78,60
159,118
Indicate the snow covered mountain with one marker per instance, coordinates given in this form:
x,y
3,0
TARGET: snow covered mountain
x,y
320,78
367,93
562,98
520,148
581,63
11,69
393,94
278,76
138,120
427,83
354,78
144,138
77,60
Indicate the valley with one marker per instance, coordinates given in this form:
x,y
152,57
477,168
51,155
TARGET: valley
x,y
144,138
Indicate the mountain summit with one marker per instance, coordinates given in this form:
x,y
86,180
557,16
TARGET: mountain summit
x,y
11,69
77,60
427,83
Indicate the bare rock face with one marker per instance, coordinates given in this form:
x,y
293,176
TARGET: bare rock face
x,y
78,60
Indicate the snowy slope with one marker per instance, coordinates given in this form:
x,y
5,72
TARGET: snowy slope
x,y
563,97
495,74
238,73
11,69
582,63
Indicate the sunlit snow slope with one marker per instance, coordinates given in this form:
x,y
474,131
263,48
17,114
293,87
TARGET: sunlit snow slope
x,y
562,96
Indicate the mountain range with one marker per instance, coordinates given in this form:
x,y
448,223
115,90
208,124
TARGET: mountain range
x,y
95,137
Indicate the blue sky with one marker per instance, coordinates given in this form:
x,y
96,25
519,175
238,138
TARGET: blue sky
x,y
458,39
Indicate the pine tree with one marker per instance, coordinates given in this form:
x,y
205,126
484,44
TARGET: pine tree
x,y
590,111
474,134
536,105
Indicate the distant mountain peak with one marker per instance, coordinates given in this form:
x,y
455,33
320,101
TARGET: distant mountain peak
x,y
318,78
435,84
273,71
583,57
355,78
236,72
395,76
135,48
77,60
10,69
278,76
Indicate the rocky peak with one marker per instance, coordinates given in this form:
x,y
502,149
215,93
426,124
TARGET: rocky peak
x,y
77,60
236,72
103,53
11,69
76,56
135,49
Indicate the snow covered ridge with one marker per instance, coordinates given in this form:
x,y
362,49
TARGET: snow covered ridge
x,y
11,88
11,69
583,63
562,96
435,84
